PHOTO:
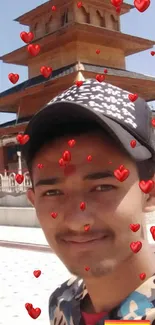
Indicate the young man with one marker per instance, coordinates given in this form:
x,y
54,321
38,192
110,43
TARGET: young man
x,y
95,146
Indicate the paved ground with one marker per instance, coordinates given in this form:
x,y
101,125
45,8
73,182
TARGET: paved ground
x,y
19,286
23,235
17,282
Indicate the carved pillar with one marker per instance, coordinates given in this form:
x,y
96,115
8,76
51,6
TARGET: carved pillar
x,y
19,162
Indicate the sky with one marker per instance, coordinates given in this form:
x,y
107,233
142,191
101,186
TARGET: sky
x,y
133,23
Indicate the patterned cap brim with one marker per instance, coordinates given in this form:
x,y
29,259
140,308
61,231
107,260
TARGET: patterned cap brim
x,y
65,111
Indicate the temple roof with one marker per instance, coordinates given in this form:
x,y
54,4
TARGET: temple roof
x,y
124,76
70,69
26,18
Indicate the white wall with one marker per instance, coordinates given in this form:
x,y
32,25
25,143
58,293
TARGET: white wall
x,y
15,200
24,217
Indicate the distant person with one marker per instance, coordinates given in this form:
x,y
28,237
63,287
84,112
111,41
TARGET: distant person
x,y
95,144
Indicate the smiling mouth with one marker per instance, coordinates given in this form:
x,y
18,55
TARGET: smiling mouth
x,y
88,241
84,241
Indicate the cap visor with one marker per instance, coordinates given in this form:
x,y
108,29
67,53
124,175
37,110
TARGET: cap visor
x,y
58,113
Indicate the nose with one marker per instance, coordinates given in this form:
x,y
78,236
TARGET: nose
x,y
74,217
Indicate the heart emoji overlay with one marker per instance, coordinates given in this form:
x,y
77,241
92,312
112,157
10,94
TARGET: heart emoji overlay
x,y
135,227
136,246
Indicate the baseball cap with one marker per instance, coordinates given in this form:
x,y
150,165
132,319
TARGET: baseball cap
x,y
109,106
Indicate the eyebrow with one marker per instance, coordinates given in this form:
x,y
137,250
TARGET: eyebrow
x,y
48,181
92,176
99,175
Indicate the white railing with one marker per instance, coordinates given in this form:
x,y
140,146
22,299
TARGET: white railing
x,y
8,183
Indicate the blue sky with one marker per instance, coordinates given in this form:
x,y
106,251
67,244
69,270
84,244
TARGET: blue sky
x,y
134,23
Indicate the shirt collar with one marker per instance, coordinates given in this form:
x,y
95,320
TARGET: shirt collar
x,y
137,301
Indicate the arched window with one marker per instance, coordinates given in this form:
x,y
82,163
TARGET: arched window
x,y
115,24
85,16
36,30
48,25
64,18
101,19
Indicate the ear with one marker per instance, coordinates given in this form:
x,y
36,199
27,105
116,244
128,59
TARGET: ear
x,y
150,201
30,196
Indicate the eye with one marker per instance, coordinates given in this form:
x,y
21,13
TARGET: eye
x,y
103,188
52,193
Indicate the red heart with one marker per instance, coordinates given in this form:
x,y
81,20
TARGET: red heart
x,y
71,143
27,37
62,162
28,306
22,139
152,230
136,246
19,178
13,77
79,4
116,3
34,312
40,166
82,206
142,276
121,175
142,5
19,137
66,156
105,71
86,227
100,77
152,53
37,273
153,122
54,8
133,97
54,215
89,158
98,51
146,187
134,227
121,167
46,71
153,235
33,49
87,268
118,10
133,143
79,83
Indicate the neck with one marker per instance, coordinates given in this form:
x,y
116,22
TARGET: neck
x,y
109,291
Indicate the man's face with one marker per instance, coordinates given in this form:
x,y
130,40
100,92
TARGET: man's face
x,y
111,205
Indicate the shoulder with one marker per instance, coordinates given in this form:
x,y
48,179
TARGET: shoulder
x,y
66,292
69,287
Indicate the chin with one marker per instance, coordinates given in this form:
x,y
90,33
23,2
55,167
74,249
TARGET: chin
x,y
96,270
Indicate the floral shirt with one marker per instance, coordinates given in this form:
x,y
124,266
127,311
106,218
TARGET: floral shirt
x,y
64,304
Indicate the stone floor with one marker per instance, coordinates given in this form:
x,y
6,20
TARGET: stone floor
x,y
19,286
